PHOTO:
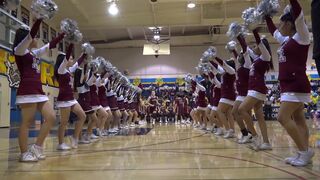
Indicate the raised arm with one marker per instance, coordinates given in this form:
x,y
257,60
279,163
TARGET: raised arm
x,y
265,55
21,48
243,43
78,63
247,61
236,55
302,36
53,44
274,31
217,82
226,67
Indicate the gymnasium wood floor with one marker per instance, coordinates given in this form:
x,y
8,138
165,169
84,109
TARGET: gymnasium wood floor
x,y
166,152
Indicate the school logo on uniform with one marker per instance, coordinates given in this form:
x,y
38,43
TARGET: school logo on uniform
x,y
36,64
13,74
281,55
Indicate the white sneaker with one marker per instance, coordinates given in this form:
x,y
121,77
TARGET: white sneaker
x,y
37,151
74,142
255,143
105,132
265,146
219,132
229,134
288,160
93,136
239,140
63,147
84,140
28,157
99,133
304,158
246,139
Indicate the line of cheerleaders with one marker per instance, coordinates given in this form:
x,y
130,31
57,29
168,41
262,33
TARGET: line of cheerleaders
x,y
238,86
104,95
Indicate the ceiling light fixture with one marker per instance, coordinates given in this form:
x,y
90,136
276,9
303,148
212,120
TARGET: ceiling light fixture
x,y
156,33
113,8
156,37
191,4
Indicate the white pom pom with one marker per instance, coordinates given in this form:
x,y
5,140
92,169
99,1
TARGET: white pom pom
x,y
235,29
87,48
268,7
44,9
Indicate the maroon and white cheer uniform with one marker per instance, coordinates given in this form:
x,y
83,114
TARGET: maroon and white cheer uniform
x,y
293,55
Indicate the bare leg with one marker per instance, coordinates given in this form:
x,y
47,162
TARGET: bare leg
x,y
244,109
81,119
49,116
28,112
258,109
65,114
287,109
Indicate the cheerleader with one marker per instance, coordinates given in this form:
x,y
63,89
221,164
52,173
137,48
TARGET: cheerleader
x,y
228,96
102,93
30,96
215,98
134,106
201,103
210,104
257,90
152,103
243,65
63,70
293,35
116,114
81,81
120,100
186,109
178,108
99,111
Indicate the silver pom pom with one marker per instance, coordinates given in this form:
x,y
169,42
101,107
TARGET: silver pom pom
x,y
68,26
235,29
268,7
71,29
44,9
231,46
251,18
87,48
75,38
209,54
95,64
